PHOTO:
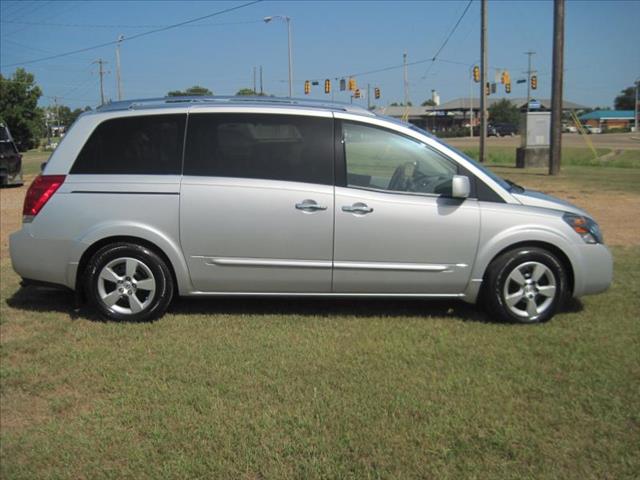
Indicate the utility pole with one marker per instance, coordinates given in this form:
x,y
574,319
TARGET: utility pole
x,y
118,72
635,109
406,79
368,96
254,81
529,72
101,72
556,92
55,103
261,90
483,83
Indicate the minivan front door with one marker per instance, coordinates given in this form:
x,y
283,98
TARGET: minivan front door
x,y
396,228
256,207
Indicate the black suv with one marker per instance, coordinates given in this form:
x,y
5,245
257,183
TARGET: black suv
x,y
10,159
501,130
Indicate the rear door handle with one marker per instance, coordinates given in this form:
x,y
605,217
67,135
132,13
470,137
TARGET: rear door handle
x,y
361,208
309,205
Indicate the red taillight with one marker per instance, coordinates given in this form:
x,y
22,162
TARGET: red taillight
x,y
39,193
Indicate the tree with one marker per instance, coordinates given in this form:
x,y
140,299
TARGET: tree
x,y
246,92
19,108
626,100
429,103
196,91
396,104
504,112
64,115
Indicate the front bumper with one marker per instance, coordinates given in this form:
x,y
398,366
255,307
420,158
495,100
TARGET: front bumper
x,y
593,269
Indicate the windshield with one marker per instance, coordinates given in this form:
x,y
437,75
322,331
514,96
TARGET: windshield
x,y
496,178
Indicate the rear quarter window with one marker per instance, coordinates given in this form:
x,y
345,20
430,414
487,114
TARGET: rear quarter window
x,y
150,145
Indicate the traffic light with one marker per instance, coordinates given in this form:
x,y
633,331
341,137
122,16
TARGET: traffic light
x,y
507,87
534,82
352,84
307,87
376,93
357,93
343,84
487,89
505,77
493,87
476,74
327,86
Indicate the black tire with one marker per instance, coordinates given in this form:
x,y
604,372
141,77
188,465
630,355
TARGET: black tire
x,y
142,304
550,290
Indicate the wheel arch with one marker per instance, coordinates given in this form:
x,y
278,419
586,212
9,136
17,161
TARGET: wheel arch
x,y
90,251
554,249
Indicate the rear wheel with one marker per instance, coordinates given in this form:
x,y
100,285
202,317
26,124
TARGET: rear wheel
x,y
526,285
128,282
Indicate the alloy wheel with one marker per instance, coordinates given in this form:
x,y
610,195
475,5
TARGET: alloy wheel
x,y
126,285
529,290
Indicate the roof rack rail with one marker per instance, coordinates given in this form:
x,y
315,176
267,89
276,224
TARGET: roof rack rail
x,y
230,100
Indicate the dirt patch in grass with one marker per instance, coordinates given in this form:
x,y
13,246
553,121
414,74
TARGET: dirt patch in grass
x,y
612,212
24,409
11,200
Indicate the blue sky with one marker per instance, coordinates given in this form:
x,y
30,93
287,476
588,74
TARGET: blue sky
x,y
330,39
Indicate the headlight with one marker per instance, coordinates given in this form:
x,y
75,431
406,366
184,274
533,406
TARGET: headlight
x,y
585,227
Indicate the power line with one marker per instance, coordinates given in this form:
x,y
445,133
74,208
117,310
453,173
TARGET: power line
x,y
133,37
444,44
88,25
35,49
30,12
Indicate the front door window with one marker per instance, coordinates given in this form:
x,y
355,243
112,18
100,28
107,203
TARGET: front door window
x,y
381,160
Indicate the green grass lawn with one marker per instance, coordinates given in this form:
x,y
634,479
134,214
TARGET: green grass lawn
x,y
322,389
32,160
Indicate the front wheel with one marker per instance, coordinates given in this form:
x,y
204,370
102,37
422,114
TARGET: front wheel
x,y
526,285
128,282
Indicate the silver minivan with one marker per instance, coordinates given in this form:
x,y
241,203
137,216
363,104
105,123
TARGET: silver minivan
x,y
145,200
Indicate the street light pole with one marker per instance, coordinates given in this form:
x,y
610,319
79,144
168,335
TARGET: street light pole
x,y
529,72
288,20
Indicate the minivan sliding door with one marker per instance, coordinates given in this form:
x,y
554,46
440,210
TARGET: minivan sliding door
x,y
256,209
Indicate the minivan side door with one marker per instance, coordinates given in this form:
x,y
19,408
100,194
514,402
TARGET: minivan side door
x,y
397,229
256,209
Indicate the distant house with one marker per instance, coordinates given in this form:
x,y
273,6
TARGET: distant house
x,y
608,119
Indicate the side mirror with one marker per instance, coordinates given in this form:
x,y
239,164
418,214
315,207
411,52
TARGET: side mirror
x,y
460,186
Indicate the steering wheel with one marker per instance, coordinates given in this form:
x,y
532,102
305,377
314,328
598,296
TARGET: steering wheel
x,y
402,179
439,184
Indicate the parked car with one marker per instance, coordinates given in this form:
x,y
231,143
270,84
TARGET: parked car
x,y
292,198
589,129
501,130
10,159
566,128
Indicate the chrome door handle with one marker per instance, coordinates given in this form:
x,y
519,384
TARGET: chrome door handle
x,y
357,208
309,205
